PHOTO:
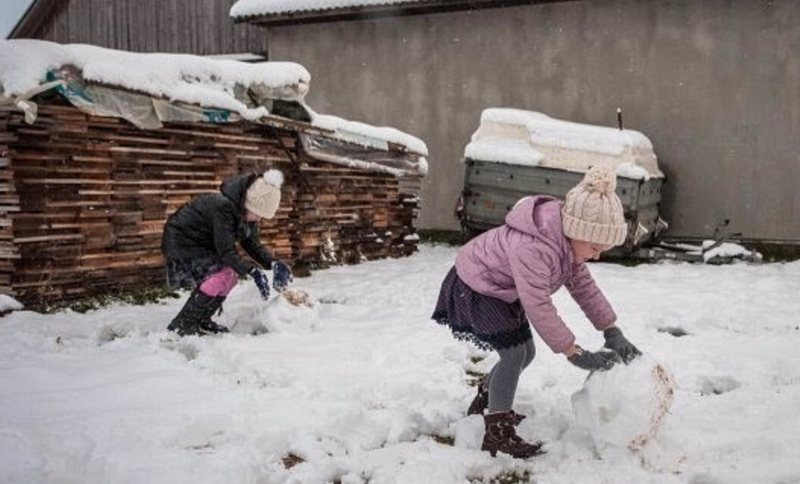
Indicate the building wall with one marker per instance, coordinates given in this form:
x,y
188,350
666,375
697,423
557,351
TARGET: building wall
x,y
201,27
715,84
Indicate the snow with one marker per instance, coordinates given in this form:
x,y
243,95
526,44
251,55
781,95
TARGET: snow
x,y
8,303
249,8
195,80
725,249
619,417
629,170
531,138
360,133
548,131
422,165
178,77
502,150
357,381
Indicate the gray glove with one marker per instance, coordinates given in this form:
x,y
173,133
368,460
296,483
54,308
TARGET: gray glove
x,y
616,342
598,361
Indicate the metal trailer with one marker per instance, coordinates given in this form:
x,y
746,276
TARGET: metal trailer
x,y
491,189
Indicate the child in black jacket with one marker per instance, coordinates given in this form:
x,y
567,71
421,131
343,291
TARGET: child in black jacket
x,y
199,244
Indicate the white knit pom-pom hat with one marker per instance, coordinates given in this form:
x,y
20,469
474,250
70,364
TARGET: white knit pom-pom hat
x,y
264,195
593,212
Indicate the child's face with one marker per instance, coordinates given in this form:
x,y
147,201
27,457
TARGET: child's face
x,y
251,217
588,250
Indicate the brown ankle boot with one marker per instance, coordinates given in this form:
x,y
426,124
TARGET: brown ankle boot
x,y
501,436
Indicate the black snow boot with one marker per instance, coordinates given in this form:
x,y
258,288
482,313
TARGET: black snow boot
x,y
195,316
501,436
481,400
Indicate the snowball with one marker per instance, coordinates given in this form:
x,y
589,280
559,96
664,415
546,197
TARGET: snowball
x,y
626,406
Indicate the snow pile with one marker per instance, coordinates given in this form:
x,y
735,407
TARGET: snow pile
x,y
24,65
547,131
8,303
363,134
246,313
728,250
250,8
629,170
528,137
499,150
625,408
239,87
362,387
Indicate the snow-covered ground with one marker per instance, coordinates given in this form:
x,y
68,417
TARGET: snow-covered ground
x,y
363,387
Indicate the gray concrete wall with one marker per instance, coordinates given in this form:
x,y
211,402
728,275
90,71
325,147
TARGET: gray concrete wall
x,y
715,84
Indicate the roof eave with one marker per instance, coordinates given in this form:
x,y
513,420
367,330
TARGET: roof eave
x,y
38,14
381,11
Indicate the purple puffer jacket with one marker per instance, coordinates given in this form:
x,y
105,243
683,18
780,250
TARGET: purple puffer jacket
x,y
529,258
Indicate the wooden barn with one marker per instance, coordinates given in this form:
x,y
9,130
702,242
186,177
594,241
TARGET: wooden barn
x,y
199,27
93,160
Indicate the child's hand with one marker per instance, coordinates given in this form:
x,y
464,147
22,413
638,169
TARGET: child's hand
x,y
615,341
261,282
598,361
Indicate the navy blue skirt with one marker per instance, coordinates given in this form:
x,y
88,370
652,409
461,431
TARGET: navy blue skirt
x,y
190,273
485,321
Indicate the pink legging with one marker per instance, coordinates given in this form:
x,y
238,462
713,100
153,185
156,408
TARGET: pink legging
x,y
219,283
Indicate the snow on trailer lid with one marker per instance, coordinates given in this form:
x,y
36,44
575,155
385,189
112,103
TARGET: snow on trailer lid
x,y
520,137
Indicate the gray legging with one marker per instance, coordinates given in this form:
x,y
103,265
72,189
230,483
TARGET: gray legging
x,y
504,376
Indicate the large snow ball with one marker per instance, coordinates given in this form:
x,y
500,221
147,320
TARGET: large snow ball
x,y
293,310
626,406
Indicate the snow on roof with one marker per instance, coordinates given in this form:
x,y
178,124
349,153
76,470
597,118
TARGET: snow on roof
x,y
360,133
532,138
252,8
24,65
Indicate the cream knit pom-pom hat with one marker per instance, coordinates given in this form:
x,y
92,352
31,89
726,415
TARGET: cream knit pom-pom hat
x,y
593,212
264,195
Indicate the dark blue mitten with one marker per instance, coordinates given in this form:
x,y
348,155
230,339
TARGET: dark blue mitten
x,y
261,282
281,276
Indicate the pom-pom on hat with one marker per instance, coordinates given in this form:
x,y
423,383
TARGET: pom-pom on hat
x,y
593,212
264,194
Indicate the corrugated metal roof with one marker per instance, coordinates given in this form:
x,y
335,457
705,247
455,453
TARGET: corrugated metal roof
x,y
255,8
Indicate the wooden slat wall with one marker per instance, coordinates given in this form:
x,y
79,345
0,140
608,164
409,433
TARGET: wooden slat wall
x,y
354,213
85,199
201,27
9,204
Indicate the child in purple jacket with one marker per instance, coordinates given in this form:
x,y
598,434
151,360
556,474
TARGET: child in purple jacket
x,y
505,278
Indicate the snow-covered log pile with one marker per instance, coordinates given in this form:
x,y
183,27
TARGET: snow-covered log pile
x,y
87,181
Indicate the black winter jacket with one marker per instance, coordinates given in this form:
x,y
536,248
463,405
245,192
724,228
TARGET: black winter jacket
x,y
210,225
